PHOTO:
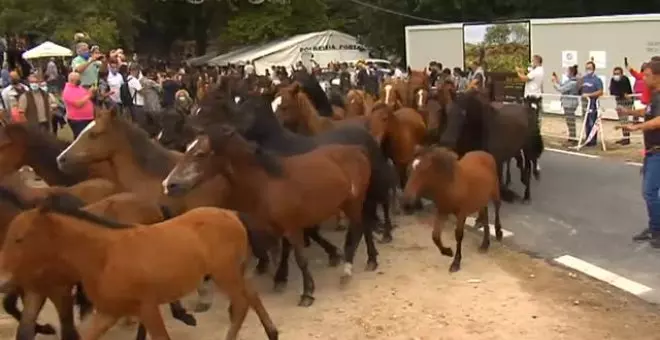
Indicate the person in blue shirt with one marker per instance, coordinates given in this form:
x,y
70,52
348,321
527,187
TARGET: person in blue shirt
x,y
591,89
651,167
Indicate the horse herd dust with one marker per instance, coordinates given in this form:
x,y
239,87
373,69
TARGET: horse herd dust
x,y
498,295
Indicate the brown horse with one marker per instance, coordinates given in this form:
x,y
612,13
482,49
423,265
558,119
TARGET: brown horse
x,y
358,103
131,271
125,207
457,187
394,93
296,111
286,193
417,80
139,165
22,144
403,131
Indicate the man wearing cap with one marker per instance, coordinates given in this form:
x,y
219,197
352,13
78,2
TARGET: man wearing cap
x,y
87,65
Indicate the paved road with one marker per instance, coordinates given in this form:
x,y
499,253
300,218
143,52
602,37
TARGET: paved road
x,y
587,208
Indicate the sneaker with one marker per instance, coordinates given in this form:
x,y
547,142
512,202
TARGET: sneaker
x,y
645,235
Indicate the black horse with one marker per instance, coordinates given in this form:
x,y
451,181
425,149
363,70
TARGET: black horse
x,y
471,122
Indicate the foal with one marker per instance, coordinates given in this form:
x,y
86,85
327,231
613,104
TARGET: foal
x,y
457,187
131,271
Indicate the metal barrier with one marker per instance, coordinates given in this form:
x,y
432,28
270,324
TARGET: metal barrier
x,y
573,107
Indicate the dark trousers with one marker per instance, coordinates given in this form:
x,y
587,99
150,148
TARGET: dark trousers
x,y
651,189
57,122
591,117
569,113
78,125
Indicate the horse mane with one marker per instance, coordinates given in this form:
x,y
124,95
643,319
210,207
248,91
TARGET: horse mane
x,y
220,137
47,147
316,94
443,160
10,196
150,156
70,205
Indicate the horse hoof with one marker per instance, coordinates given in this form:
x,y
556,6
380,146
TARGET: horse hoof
x,y
455,266
447,252
387,238
279,287
202,307
46,329
484,248
187,319
371,266
498,235
306,301
345,279
334,260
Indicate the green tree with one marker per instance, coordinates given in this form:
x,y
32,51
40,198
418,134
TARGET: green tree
x,y
497,34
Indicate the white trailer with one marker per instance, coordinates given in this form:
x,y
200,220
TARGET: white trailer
x,y
608,39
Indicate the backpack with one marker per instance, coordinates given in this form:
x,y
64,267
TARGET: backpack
x,y
125,93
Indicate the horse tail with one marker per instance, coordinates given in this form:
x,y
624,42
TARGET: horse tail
x,y
257,238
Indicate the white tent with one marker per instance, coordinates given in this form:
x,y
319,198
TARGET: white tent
x,y
324,47
222,60
47,49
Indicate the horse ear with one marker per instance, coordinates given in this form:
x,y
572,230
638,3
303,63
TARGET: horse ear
x,y
295,87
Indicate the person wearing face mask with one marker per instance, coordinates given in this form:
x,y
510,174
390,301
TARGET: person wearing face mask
x,y
78,104
10,95
35,106
621,89
592,89
87,65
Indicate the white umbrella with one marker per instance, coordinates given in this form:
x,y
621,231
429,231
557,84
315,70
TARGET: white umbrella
x,y
47,49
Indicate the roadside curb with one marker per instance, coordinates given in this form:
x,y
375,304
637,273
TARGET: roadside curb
x,y
586,155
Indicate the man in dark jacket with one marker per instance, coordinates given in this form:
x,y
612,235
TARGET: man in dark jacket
x,y
622,91
35,105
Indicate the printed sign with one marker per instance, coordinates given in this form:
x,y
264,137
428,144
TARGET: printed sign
x,y
599,58
569,58
333,48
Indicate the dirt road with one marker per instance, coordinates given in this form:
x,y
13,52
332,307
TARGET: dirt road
x,y
499,295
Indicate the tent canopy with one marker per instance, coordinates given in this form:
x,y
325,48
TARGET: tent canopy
x,y
201,60
47,49
323,47
222,60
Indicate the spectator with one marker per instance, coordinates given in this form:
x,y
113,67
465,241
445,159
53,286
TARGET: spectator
x,y
10,96
35,106
78,103
52,75
5,80
533,83
651,169
135,89
640,85
115,82
476,77
170,88
591,89
622,91
569,99
460,81
87,65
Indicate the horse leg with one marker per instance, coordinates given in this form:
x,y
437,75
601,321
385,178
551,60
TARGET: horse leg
x,y
333,252
63,301
10,304
527,177
507,194
498,224
306,238
100,323
458,234
483,220
181,314
242,295
282,274
307,297
32,305
339,226
152,322
508,173
205,293
387,224
85,307
436,235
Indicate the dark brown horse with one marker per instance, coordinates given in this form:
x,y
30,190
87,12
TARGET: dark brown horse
x,y
286,193
457,187
110,260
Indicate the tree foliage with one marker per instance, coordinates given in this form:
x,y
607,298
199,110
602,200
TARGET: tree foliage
x,y
152,26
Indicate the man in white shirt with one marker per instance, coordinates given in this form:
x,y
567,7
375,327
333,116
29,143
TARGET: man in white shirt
x,y
115,81
135,89
534,89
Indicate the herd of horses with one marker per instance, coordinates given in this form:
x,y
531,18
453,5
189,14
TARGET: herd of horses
x,y
131,221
